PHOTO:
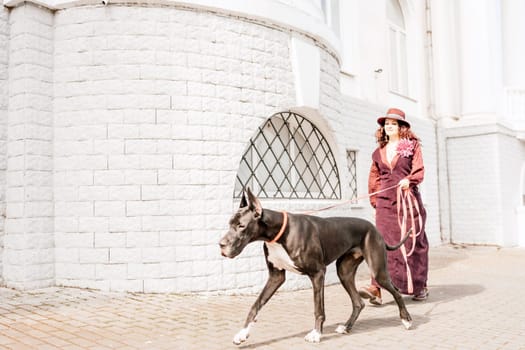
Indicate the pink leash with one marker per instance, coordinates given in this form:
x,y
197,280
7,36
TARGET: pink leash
x,y
348,201
406,203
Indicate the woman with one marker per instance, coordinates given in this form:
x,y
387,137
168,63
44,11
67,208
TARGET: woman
x,y
397,165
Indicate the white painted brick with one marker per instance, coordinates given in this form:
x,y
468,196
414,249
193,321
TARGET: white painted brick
x,y
85,162
109,240
178,207
66,224
110,208
110,271
165,285
198,284
158,254
81,133
140,208
15,210
124,255
77,147
126,192
142,239
108,177
93,256
72,270
93,224
74,177
124,161
156,162
108,147
91,193
155,131
142,271
160,223
74,240
123,224
172,239
67,255
155,192
147,146
177,269
125,131
83,208
143,177
133,286
65,194
134,116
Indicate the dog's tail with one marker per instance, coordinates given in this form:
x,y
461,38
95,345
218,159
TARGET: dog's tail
x,y
389,247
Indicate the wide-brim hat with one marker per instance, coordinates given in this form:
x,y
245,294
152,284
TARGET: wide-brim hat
x,y
393,113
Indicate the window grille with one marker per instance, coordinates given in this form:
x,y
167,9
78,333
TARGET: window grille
x,y
351,157
288,157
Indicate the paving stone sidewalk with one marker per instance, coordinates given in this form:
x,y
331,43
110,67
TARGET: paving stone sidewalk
x,y
476,302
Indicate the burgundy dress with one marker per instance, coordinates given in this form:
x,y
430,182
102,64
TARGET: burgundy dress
x,y
384,175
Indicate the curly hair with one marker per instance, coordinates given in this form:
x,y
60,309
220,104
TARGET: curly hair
x,y
404,133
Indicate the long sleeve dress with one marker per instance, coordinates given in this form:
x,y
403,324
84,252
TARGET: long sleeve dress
x,y
384,175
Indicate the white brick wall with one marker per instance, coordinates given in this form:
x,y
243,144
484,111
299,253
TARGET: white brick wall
x,y
484,176
4,46
147,141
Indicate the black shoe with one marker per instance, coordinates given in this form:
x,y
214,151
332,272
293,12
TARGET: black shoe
x,y
421,296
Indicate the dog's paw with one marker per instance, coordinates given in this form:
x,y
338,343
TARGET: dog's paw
x,y
341,329
406,323
313,337
242,336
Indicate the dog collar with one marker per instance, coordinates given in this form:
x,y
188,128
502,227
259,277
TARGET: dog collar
x,y
283,227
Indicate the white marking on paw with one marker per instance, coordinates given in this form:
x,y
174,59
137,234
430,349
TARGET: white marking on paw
x,y
313,337
406,323
242,335
341,329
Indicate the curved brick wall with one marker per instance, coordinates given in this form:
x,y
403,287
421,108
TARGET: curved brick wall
x,y
153,108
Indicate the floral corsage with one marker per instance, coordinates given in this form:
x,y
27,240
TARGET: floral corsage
x,y
405,148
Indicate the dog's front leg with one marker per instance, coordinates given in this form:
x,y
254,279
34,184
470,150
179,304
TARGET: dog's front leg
x,y
275,279
318,285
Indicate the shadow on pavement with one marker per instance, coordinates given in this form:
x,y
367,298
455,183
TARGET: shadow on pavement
x,y
438,294
450,292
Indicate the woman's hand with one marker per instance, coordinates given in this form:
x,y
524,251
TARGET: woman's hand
x,y
404,184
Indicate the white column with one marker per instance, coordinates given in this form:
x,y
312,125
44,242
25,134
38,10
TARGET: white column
x,y
513,36
29,226
513,23
444,56
480,59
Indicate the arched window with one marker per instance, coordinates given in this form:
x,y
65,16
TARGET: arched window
x,y
397,40
288,157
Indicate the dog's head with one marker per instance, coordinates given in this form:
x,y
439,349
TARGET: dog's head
x,y
244,226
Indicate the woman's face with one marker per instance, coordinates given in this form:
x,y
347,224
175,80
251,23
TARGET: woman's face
x,y
391,127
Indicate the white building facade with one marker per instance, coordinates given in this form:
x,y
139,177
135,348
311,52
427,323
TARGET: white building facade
x,y
128,128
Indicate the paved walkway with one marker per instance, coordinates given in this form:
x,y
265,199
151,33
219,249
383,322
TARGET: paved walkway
x,y
476,302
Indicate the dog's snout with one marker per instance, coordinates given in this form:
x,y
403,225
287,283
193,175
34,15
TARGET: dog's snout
x,y
223,243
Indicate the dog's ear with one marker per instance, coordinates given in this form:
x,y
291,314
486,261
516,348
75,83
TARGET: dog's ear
x,y
254,202
244,202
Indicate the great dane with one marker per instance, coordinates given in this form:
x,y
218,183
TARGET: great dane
x,y
306,244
